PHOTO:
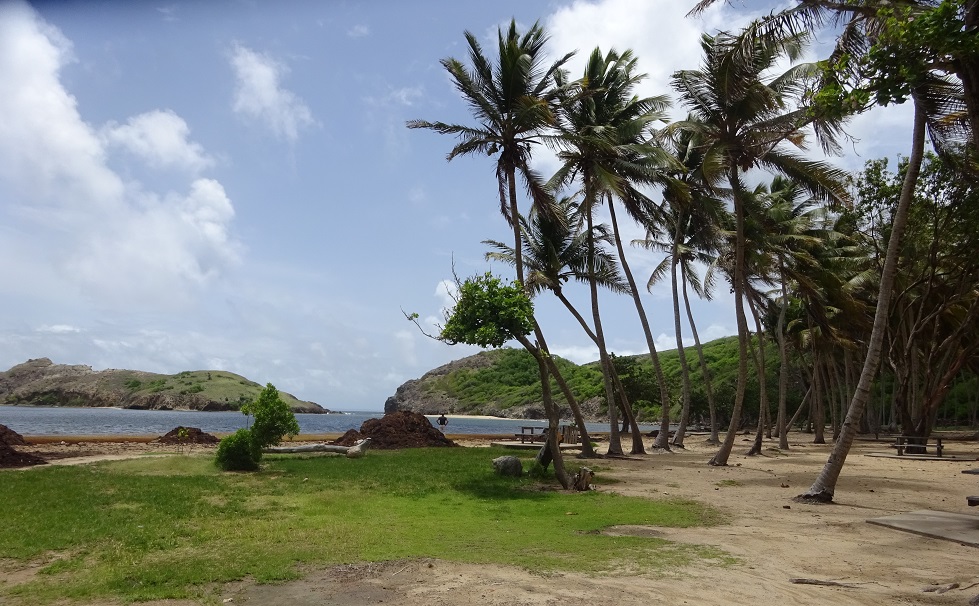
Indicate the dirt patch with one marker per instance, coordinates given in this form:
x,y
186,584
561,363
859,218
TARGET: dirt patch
x,y
402,429
10,437
187,435
10,458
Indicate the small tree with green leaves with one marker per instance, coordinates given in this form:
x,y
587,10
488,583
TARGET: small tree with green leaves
x,y
242,450
273,418
488,313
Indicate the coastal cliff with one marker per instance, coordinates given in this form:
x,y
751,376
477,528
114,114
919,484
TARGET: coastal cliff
x,y
500,383
41,382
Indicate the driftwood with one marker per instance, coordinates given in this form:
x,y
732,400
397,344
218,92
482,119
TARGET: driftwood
x,y
821,582
352,452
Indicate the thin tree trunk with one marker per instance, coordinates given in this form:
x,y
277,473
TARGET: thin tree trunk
x,y
615,441
724,452
798,411
553,419
663,439
823,489
684,369
714,438
783,364
762,381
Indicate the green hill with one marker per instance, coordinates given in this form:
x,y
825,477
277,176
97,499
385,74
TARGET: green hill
x,y
42,383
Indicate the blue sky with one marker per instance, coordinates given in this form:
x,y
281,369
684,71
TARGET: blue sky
x,y
229,184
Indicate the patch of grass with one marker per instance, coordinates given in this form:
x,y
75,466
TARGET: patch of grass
x,y
174,527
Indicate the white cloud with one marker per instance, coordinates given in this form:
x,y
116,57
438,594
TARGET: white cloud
x,y
260,96
359,31
447,291
110,238
160,138
59,329
164,245
47,153
579,354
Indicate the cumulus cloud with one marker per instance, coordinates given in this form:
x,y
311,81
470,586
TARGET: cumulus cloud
x,y
259,94
160,138
98,233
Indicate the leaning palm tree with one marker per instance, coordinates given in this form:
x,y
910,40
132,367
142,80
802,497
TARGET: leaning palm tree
x,y
605,142
557,250
513,103
749,118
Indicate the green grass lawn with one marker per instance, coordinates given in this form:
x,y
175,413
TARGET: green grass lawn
x,y
176,527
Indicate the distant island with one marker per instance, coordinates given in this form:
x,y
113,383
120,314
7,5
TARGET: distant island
x,y
41,382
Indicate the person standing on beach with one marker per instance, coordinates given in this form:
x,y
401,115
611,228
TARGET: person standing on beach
x,y
442,421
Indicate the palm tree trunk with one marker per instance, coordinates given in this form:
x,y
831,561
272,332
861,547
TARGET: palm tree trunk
x,y
684,369
714,439
783,364
553,418
762,381
663,439
615,440
823,489
724,452
586,448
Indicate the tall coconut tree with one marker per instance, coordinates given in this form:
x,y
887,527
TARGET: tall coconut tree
x,y
512,101
689,234
750,118
605,142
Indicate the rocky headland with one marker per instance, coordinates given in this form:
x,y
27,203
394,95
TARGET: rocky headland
x,y
437,392
41,382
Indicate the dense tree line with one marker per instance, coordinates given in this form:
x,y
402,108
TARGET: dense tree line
x,y
831,273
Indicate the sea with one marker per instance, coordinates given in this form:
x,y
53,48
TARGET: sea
x,y
62,421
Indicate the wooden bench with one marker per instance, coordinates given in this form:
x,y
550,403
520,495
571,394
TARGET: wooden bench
x,y
904,442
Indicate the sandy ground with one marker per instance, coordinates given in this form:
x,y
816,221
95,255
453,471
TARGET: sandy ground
x,y
773,538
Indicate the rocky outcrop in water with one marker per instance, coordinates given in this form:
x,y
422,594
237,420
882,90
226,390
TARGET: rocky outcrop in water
x,y
41,382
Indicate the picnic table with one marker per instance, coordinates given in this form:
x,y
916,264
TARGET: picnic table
x,y
531,433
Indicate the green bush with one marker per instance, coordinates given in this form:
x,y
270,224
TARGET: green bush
x,y
242,450
273,418
237,452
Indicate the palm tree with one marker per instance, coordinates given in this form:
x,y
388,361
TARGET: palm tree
x,y
557,250
748,119
691,219
513,103
605,142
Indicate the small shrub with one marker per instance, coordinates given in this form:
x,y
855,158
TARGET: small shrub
x,y
242,450
133,384
273,418
237,452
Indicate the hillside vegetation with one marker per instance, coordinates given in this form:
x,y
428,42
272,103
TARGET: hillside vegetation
x,y
504,382
42,383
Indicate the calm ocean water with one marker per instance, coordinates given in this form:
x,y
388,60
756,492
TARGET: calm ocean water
x,y
40,421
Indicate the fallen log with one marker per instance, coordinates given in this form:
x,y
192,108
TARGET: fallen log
x,y
351,452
